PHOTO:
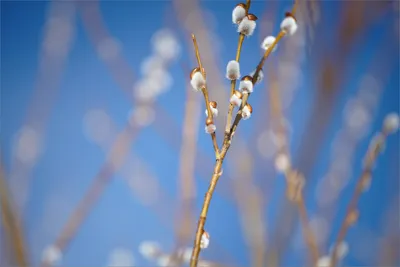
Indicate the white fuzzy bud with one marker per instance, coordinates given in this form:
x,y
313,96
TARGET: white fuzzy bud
x,y
246,86
236,99
52,255
214,111
289,25
324,261
282,163
149,249
246,112
205,240
198,81
247,26
342,250
268,41
238,13
210,127
260,76
233,70
164,261
391,123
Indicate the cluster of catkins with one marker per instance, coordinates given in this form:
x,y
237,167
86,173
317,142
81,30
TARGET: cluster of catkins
x,y
246,24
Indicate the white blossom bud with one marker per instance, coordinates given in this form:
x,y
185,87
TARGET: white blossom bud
x,y
342,250
324,261
238,13
197,80
246,111
214,110
289,24
260,76
282,163
268,41
164,261
233,70
205,240
247,25
236,99
246,85
52,255
149,250
391,123
210,126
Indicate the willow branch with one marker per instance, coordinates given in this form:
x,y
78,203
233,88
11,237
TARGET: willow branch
x,y
205,94
233,82
292,177
280,35
352,213
11,224
255,77
226,145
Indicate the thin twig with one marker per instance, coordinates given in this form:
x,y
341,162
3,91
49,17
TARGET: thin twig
x,y
11,223
277,118
349,219
280,35
205,94
233,82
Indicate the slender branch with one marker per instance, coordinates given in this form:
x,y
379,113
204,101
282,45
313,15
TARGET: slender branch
x,y
205,94
11,224
349,218
203,215
307,232
255,77
233,82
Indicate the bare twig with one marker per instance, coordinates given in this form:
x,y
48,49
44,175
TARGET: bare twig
x,y
352,213
205,94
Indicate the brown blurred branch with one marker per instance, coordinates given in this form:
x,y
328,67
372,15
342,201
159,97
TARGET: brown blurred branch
x,y
329,80
352,213
12,225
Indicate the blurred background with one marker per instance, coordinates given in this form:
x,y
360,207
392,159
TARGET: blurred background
x,y
104,158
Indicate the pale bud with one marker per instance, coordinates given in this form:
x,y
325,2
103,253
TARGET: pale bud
x,y
247,25
149,250
233,70
197,80
289,24
213,108
210,126
164,261
238,13
342,250
282,163
391,123
52,255
246,84
268,41
236,99
246,111
205,240
324,261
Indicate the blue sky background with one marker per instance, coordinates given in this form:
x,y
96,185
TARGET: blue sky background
x,y
70,161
